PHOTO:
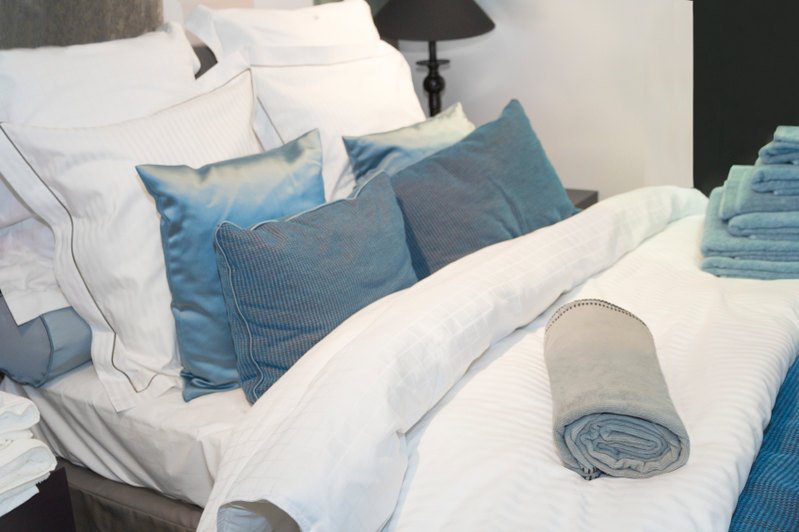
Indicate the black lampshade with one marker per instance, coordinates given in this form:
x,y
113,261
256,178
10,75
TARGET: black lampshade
x,y
432,20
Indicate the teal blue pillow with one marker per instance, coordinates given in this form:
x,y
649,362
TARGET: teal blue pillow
x,y
394,150
191,203
288,283
493,185
43,348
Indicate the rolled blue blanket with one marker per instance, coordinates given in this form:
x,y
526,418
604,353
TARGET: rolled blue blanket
x,y
766,225
751,269
780,179
717,241
612,413
739,198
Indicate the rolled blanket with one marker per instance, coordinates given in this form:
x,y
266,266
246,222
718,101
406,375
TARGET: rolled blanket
x,y
717,241
739,197
23,464
766,225
751,269
612,413
16,414
779,179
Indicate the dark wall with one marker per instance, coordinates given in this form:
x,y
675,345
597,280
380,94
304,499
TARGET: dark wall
x,y
746,81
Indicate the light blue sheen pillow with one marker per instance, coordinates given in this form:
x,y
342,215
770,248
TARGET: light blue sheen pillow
x,y
288,283
45,347
392,151
191,203
493,185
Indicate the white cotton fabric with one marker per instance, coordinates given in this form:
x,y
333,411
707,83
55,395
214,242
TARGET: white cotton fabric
x,y
16,414
23,464
225,31
75,86
367,88
108,255
166,444
366,386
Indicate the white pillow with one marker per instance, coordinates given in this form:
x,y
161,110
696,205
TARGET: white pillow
x,y
346,90
108,255
226,30
81,85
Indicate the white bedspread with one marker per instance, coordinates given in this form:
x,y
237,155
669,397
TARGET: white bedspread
x,y
357,436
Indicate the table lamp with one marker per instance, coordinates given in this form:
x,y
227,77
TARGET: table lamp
x,y
431,21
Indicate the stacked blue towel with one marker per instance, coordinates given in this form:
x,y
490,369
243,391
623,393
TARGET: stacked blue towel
x,y
784,149
726,255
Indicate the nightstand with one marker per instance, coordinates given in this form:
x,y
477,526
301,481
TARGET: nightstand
x,y
582,199
49,510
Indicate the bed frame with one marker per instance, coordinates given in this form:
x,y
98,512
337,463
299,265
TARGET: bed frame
x,y
100,504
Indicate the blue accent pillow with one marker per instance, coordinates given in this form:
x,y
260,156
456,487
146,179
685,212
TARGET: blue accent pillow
x,y
45,347
493,185
288,283
191,203
392,151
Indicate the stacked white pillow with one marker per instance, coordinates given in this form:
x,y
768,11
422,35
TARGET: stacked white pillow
x,y
321,67
108,257
82,85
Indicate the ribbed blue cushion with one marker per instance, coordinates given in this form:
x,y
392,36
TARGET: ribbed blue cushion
x,y
493,185
288,283
392,151
45,347
191,203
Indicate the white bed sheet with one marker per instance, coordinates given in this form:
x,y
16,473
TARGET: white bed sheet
x,y
166,444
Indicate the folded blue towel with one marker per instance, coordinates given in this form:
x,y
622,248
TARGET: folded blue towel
x,y
751,269
717,241
784,149
787,134
780,179
739,198
766,225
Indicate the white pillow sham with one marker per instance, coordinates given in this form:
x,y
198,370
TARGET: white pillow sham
x,y
226,30
345,90
108,255
81,85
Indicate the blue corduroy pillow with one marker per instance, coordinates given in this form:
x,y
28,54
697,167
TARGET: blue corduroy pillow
x,y
288,283
391,151
493,185
191,203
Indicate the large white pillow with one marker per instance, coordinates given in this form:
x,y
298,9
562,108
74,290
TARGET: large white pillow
x,y
345,90
226,30
108,255
81,85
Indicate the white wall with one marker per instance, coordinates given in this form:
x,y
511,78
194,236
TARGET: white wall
x,y
607,84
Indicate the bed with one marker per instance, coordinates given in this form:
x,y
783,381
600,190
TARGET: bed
x,y
425,402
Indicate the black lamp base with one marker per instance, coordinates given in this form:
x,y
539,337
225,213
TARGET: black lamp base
x,y
433,82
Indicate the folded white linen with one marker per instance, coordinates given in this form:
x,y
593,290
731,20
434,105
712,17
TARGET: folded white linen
x,y
23,464
16,413
362,388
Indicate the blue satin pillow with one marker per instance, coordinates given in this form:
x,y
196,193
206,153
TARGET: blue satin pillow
x,y
288,283
392,151
493,185
191,203
45,347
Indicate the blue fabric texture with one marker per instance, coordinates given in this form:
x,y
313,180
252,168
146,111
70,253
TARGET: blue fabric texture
x,y
739,198
191,203
766,225
717,241
770,499
750,269
288,283
44,348
392,151
493,185
780,179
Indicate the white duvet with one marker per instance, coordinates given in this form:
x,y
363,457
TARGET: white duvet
x,y
430,409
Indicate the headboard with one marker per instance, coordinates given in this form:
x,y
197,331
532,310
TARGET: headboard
x,y
32,23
